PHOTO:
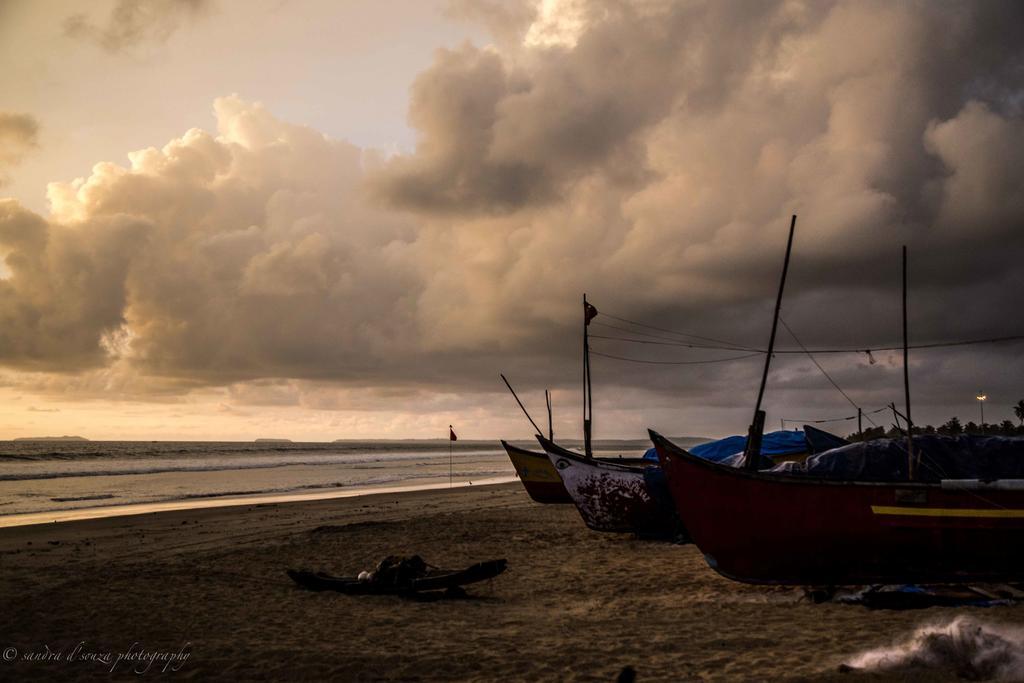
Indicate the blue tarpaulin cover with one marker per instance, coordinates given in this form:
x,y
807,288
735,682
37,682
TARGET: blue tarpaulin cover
x,y
773,443
942,457
819,440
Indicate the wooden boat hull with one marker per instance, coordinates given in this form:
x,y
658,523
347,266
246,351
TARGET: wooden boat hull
x,y
538,475
772,528
611,496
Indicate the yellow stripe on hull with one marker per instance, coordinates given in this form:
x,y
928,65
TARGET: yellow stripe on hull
x,y
945,512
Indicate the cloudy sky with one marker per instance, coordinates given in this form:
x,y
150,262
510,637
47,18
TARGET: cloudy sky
x,y
318,220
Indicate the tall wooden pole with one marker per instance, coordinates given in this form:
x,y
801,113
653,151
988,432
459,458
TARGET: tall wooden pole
x,y
450,430
752,454
906,375
588,405
860,427
586,440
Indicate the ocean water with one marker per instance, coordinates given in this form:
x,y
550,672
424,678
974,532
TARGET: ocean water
x,y
59,476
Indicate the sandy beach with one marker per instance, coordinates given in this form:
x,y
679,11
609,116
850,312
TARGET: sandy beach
x,y
203,593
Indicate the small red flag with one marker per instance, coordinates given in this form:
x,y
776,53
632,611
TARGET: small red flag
x,y
451,434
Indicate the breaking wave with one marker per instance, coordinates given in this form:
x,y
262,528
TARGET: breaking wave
x,y
39,476
132,468
971,649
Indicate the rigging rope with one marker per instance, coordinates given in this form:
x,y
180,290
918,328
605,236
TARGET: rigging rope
x,y
675,343
816,363
836,419
668,341
674,362
732,346
662,329
935,345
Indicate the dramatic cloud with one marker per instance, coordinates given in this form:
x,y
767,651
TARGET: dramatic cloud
x,y
133,22
18,135
648,153
244,255
66,287
652,155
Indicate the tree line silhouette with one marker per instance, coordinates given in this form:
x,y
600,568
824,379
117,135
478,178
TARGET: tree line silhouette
x,y
952,427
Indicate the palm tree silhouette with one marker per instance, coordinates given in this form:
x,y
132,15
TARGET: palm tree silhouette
x,y
1018,410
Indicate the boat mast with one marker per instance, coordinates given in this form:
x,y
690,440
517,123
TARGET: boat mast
x,y
551,425
752,453
516,397
906,375
588,405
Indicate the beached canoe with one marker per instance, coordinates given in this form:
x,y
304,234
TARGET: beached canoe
x,y
613,495
538,475
770,527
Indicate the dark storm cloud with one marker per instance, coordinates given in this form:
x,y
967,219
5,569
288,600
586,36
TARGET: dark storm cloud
x,y
501,132
19,134
664,145
133,22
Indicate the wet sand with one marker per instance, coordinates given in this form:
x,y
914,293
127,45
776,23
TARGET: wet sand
x,y
98,511
203,592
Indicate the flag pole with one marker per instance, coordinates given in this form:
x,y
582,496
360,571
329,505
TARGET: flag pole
x,y
450,432
588,382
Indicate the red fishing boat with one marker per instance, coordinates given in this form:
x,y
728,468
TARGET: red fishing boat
x,y
613,494
764,527
539,476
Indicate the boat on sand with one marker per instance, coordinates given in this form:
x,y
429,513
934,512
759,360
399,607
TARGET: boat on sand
x,y
613,494
538,475
812,528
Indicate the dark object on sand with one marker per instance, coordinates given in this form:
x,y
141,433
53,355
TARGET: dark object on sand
x,y
627,675
852,527
912,596
400,576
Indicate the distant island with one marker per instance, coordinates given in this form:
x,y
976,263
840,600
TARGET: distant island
x,y
51,438
274,441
